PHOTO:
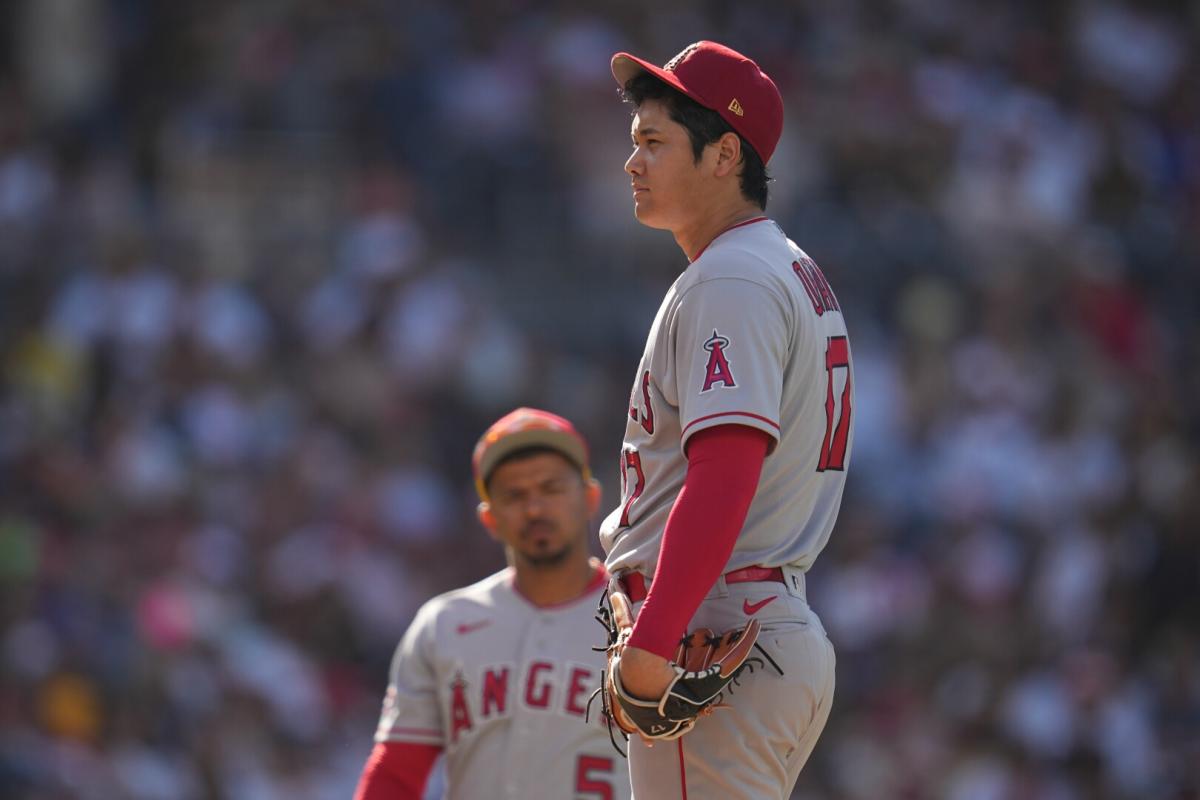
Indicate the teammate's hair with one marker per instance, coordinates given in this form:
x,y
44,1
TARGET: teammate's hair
x,y
704,126
528,452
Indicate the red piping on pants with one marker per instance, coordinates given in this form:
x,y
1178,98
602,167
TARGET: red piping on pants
x,y
682,771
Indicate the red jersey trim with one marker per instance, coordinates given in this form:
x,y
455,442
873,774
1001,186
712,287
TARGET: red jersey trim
x,y
598,580
770,422
741,224
413,732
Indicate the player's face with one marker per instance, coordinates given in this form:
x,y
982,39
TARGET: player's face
x,y
540,508
665,178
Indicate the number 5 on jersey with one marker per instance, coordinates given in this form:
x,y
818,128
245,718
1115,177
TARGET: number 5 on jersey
x,y
837,405
593,777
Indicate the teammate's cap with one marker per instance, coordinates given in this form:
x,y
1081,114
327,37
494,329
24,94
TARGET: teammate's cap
x,y
724,80
526,427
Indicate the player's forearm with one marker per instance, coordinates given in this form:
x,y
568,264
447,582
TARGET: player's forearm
x,y
724,464
396,771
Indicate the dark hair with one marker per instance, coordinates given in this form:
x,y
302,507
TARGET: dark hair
x,y
704,126
528,452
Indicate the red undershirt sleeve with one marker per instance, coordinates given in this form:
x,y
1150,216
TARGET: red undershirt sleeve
x,y
724,464
396,771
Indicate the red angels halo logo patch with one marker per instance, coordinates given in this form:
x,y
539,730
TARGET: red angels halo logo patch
x,y
718,370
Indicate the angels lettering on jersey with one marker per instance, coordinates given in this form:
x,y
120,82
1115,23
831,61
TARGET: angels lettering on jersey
x,y
495,692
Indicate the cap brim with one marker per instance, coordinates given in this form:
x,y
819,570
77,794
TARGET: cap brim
x,y
626,66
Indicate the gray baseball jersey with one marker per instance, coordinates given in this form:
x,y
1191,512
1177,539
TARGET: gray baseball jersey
x,y
502,685
750,333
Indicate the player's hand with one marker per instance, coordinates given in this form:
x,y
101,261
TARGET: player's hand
x,y
644,674
659,699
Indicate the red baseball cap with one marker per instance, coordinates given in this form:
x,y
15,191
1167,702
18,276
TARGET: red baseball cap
x,y
522,428
723,80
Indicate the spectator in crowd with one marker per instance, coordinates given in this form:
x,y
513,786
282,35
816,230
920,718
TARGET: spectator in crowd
x,y
265,270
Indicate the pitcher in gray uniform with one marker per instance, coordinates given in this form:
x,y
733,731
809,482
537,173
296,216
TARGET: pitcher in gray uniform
x,y
497,675
738,434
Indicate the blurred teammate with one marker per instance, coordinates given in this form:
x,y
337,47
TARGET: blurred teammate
x,y
737,435
498,674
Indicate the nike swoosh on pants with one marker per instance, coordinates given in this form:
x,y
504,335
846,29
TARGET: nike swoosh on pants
x,y
750,609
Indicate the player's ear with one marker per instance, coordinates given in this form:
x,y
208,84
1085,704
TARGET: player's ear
x,y
594,494
729,153
486,517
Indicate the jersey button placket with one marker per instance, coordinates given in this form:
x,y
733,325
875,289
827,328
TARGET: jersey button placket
x,y
544,628
532,646
520,755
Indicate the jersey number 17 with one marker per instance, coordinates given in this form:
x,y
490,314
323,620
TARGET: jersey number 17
x,y
837,405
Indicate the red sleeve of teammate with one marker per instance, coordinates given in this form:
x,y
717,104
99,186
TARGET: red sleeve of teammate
x,y
724,464
396,771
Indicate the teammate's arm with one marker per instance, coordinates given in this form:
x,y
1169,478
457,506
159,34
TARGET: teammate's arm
x,y
724,464
396,771
399,764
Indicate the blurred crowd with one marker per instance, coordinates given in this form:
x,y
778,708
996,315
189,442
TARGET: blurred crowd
x,y
267,270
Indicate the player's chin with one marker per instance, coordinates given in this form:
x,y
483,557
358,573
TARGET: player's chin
x,y
547,557
644,212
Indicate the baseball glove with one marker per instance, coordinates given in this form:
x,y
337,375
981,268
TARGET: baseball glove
x,y
705,664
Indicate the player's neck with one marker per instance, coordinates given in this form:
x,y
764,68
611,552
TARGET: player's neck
x,y
694,238
552,586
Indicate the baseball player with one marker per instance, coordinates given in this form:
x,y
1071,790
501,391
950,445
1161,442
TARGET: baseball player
x,y
498,674
737,439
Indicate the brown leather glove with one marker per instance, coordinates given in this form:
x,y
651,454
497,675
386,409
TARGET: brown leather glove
x,y
705,664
